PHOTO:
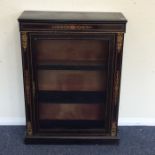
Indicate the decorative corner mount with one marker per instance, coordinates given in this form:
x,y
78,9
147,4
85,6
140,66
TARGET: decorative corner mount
x,y
24,39
29,128
120,37
113,129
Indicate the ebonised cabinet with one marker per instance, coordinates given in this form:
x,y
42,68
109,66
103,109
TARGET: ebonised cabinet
x,y
71,69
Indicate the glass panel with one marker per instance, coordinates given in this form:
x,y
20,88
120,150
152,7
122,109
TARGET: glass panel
x,y
72,82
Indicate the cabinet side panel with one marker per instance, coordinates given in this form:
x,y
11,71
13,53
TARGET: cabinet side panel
x,y
116,82
27,81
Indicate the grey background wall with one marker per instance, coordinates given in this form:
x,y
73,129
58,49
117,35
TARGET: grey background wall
x,y
137,100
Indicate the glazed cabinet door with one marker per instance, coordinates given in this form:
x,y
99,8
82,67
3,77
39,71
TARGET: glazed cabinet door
x,y
69,82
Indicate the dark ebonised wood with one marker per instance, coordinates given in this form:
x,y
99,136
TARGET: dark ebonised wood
x,y
72,71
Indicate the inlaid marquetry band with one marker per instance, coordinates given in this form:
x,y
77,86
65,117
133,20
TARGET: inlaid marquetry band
x,y
73,27
116,86
70,27
27,87
33,89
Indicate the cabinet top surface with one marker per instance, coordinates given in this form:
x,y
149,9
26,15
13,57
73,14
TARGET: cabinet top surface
x,y
44,16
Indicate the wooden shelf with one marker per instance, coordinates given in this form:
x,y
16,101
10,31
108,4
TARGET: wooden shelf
x,y
71,65
71,97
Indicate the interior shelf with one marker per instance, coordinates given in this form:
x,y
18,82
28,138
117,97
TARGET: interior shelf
x,y
71,97
72,65
72,124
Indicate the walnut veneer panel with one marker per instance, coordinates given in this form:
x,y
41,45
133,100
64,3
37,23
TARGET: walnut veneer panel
x,y
71,80
71,50
70,111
